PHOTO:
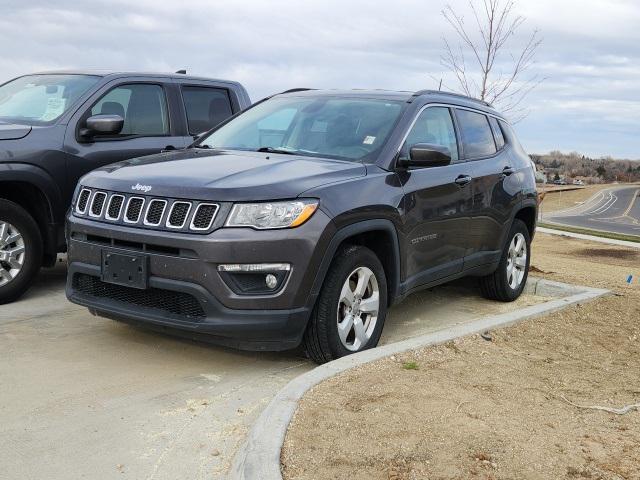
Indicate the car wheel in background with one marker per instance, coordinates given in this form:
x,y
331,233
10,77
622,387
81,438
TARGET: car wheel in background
x,y
351,309
20,251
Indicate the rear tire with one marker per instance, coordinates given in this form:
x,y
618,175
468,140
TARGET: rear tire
x,y
509,279
350,312
20,251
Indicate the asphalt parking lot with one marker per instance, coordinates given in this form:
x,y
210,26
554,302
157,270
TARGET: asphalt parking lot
x,y
615,209
86,397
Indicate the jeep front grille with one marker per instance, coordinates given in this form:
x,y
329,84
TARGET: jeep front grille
x,y
147,211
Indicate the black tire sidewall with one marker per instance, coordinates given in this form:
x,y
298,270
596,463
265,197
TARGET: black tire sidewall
x,y
18,217
346,262
518,227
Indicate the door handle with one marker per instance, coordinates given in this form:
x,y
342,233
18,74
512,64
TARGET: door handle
x,y
506,171
463,180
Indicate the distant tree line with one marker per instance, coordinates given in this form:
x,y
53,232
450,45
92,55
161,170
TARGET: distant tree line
x,y
572,165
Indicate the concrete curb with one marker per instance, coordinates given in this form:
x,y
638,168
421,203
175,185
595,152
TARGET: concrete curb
x,y
259,457
592,238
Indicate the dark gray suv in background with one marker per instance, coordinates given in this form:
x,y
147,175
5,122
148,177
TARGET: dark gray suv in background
x,y
304,218
57,126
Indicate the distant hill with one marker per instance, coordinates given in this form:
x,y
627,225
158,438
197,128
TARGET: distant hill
x,y
569,166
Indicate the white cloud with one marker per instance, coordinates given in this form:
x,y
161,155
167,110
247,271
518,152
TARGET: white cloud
x,y
590,53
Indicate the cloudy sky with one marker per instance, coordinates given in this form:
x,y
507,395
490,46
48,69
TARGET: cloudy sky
x,y
590,57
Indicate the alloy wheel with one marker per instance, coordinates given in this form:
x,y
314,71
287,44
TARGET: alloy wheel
x,y
12,252
516,261
358,308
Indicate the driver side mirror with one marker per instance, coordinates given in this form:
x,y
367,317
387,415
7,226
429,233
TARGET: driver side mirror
x,y
102,125
424,155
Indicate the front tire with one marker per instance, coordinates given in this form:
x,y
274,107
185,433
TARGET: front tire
x,y
20,251
351,309
509,279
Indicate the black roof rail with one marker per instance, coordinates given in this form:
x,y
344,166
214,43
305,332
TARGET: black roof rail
x,y
449,94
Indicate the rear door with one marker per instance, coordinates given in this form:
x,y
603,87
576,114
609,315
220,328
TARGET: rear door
x,y
489,165
207,104
437,203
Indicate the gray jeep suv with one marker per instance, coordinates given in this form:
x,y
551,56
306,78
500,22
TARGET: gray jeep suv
x,y
304,218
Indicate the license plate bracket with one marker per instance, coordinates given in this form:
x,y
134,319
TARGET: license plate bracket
x,y
125,269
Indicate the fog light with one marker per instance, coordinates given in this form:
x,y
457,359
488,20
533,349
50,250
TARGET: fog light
x,y
254,278
271,281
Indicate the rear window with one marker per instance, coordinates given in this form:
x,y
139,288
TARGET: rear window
x,y
477,137
206,107
497,131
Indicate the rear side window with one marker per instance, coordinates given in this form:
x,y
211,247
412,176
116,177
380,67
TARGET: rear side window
x,y
477,137
143,107
497,131
206,107
434,125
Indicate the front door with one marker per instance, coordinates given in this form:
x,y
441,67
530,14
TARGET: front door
x,y
147,128
437,204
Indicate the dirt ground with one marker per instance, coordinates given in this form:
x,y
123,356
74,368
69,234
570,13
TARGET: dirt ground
x,y
495,409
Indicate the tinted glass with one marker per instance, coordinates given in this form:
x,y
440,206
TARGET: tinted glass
x,y
497,132
206,107
143,107
476,134
341,128
41,99
434,125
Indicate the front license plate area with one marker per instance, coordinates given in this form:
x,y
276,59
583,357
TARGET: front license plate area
x,y
123,269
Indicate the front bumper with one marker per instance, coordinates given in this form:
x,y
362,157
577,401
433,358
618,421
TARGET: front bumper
x,y
186,293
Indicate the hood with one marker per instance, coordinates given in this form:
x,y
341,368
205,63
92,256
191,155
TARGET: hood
x,y
222,175
9,131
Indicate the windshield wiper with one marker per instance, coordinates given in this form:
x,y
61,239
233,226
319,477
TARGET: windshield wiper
x,y
276,150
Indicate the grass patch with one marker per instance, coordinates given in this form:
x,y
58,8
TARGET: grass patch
x,y
410,366
595,233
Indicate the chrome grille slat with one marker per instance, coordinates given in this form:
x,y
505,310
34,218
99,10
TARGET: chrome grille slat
x,y
97,204
154,213
203,216
178,214
83,201
134,210
114,207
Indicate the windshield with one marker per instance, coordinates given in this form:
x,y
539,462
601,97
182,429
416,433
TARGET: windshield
x,y
341,128
41,99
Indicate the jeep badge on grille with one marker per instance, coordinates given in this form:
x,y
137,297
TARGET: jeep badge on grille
x,y
143,188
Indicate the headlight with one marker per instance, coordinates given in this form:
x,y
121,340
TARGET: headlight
x,y
272,215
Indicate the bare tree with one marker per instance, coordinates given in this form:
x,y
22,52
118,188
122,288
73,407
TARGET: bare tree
x,y
478,60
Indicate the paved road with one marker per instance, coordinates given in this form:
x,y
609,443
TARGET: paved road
x,y
86,397
615,209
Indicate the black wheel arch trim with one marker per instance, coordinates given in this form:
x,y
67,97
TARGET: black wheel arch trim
x,y
40,179
351,230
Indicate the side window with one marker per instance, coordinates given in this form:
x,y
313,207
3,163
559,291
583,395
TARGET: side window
x,y
206,107
497,131
143,107
477,138
434,125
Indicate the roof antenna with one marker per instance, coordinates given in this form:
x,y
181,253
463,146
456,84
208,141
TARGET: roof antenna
x,y
440,86
182,72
